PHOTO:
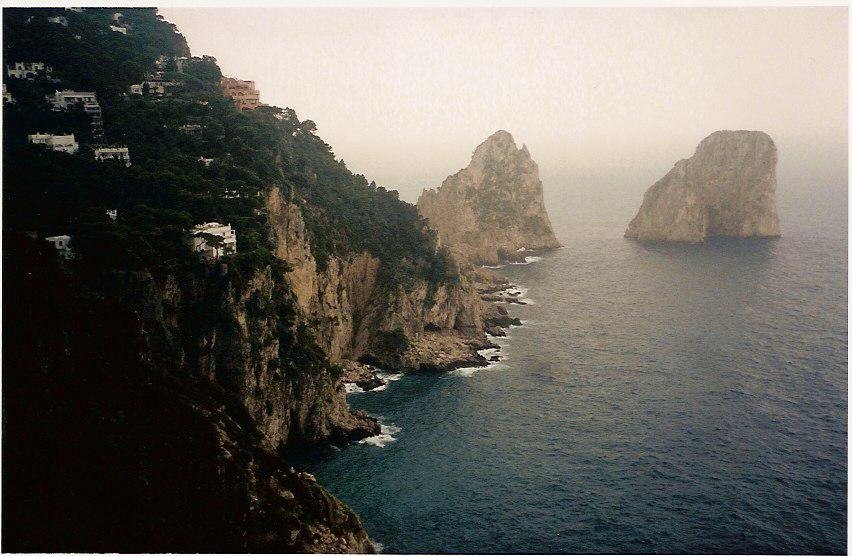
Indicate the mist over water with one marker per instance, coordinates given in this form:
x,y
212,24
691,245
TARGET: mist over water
x,y
664,398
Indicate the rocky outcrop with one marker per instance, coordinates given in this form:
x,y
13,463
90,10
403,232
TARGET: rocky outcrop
x,y
727,189
249,338
356,315
361,375
490,210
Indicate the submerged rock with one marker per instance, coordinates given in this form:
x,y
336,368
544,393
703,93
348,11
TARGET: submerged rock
x,y
493,210
726,189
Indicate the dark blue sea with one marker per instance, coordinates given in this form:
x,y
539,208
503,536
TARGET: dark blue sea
x,y
663,398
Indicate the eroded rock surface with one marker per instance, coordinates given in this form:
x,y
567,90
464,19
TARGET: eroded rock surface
x,y
490,210
727,189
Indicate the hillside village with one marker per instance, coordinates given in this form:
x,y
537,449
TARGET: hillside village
x,y
209,240
157,347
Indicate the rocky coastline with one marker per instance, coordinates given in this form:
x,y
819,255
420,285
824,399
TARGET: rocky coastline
x,y
443,351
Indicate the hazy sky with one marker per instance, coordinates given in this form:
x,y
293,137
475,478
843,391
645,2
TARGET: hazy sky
x,y
405,95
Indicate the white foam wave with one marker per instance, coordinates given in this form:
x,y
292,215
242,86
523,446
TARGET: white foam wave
x,y
518,293
528,259
465,371
385,437
388,377
487,353
352,388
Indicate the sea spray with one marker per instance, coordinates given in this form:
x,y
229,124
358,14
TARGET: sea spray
x,y
385,437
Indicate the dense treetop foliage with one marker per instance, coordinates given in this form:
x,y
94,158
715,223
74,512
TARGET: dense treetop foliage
x,y
168,188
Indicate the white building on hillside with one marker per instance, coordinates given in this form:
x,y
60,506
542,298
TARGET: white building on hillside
x,y
64,143
93,109
28,70
7,96
59,20
62,245
155,86
210,249
61,100
113,153
121,30
112,213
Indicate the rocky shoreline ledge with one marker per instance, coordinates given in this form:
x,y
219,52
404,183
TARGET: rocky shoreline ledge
x,y
444,351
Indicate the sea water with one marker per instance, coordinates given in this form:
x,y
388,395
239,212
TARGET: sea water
x,y
658,398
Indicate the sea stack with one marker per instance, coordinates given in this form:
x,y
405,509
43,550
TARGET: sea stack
x,y
493,210
726,189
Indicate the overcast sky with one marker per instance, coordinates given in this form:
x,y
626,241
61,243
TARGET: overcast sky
x,y
405,95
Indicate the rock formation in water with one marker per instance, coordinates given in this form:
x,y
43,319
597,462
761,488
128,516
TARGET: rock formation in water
x,y
490,210
727,189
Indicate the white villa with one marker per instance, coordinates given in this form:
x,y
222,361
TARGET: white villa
x,y
121,30
113,153
28,70
64,143
63,99
205,161
112,213
92,109
209,252
62,245
59,20
190,128
155,86
7,96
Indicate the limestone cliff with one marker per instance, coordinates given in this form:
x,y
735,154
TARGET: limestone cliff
x,y
355,315
727,188
252,341
494,207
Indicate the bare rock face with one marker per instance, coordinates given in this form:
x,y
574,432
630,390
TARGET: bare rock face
x,y
726,189
352,313
494,207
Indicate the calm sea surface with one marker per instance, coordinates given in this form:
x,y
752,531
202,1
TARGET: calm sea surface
x,y
657,399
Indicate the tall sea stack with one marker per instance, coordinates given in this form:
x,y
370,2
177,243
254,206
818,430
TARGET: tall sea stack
x,y
488,211
726,189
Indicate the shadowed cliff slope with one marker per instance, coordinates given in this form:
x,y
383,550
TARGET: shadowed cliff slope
x,y
150,397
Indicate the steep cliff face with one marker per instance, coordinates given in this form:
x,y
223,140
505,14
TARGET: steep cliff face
x,y
252,342
353,311
494,207
144,454
727,188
